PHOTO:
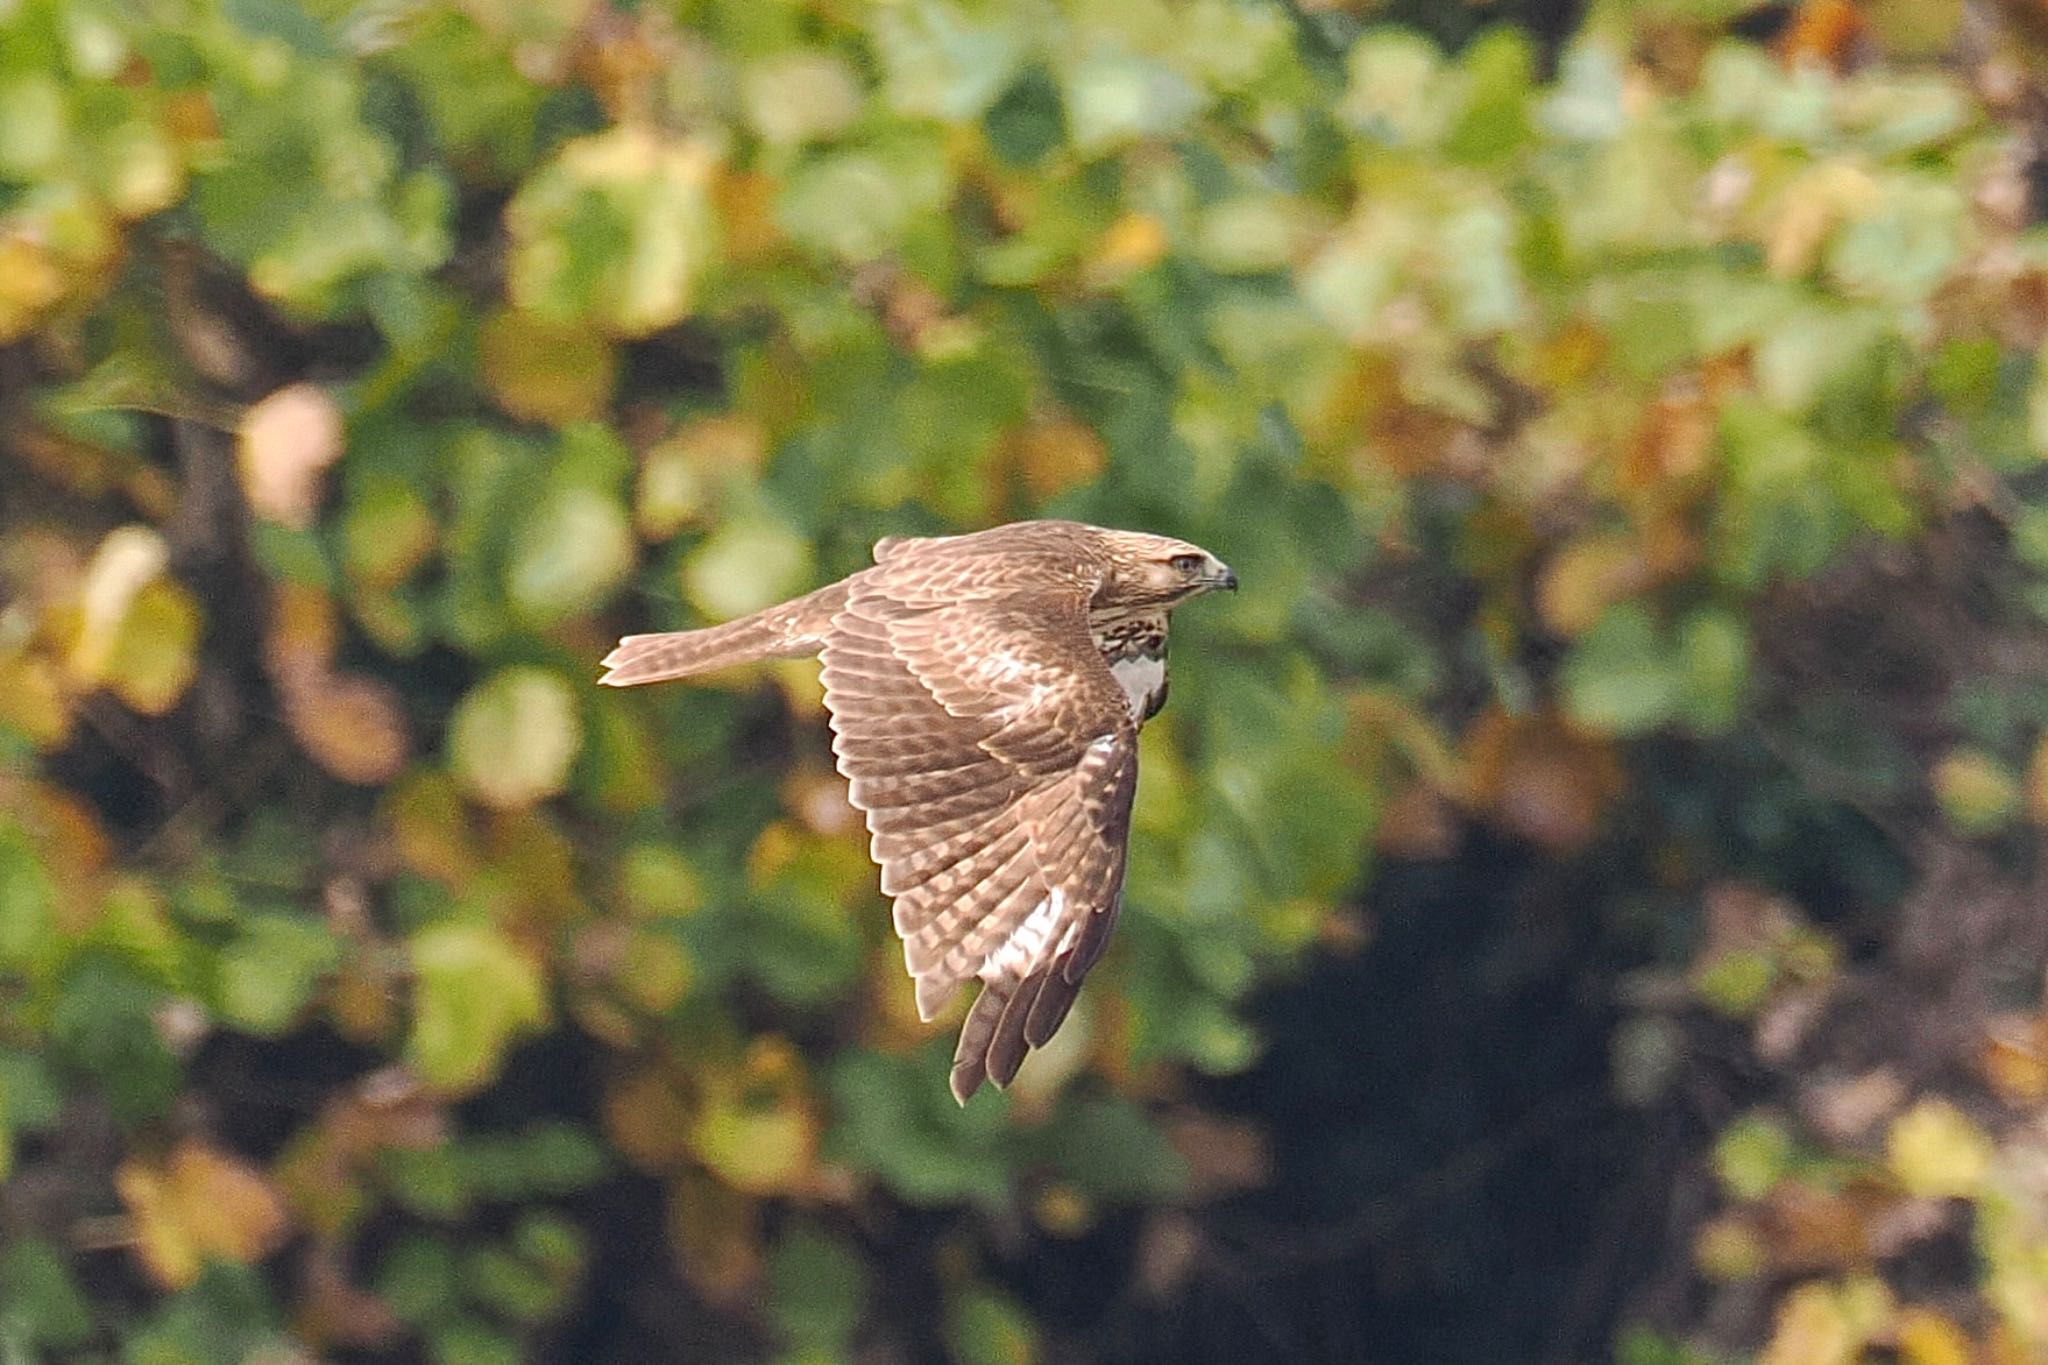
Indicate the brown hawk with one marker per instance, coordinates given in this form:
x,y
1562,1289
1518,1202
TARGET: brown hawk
x,y
985,693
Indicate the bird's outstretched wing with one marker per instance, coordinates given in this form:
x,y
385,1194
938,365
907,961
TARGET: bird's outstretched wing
x,y
995,758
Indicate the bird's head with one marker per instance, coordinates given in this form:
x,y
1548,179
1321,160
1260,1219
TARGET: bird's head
x,y
1157,571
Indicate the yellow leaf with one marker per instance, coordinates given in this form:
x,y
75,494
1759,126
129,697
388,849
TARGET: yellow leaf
x,y
1975,790
1810,209
1730,1248
201,1204
546,371
156,653
1587,577
126,562
138,630
431,828
1925,1337
1132,243
2015,1059
287,440
1812,1329
1936,1151
32,701
755,1129
655,972
31,279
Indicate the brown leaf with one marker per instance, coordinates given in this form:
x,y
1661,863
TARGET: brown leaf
x,y
333,1311
1539,777
431,828
1812,1229
1224,1156
1674,441
349,723
649,1120
1419,823
1822,30
1056,455
303,631
715,1232
1167,1251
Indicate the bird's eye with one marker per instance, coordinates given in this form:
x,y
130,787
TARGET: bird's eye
x,y
1186,564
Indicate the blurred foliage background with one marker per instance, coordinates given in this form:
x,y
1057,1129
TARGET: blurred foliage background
x,y
1586,898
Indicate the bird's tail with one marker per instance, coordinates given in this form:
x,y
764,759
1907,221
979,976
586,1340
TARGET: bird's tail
x,y
788,631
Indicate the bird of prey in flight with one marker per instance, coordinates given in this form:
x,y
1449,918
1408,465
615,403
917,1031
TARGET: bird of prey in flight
x,y
985,693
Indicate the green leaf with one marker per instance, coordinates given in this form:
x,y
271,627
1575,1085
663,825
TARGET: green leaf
x,y
465,1341
1393,93
271,969
1752,1155
561,1158
104,1023
1108,1148
1620,678
818,1289
41,1303
507,1284
474,993
573,549
984,1327
512,739
1714,653
746,564
1113,98
616,231
862,202
944,60
28,914
418,1280
896,1119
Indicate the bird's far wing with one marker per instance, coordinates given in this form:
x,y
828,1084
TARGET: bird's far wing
x,y
994,756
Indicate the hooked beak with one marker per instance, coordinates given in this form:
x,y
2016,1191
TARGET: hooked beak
x,y
1224,577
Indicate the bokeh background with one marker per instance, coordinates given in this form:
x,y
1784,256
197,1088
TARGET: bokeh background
x,y
1586,899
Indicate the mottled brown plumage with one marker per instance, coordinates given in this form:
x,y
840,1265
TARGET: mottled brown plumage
x,y
985,694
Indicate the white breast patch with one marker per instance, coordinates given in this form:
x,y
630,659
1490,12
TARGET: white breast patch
x,y
1141,678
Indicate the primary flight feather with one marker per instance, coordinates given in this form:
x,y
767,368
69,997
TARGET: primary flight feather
x,y
985,693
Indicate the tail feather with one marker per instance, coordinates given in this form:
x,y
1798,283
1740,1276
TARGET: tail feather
x,y
788,631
